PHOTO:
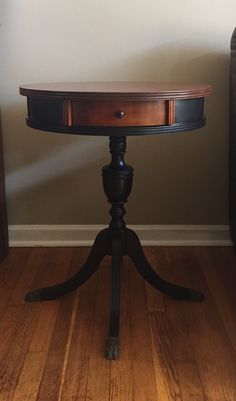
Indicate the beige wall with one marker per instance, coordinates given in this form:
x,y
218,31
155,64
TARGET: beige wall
x,y
55,179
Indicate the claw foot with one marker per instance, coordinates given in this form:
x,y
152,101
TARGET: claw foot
x,y
34,296
41,294
112,351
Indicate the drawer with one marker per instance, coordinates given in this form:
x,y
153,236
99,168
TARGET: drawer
x,y
117,113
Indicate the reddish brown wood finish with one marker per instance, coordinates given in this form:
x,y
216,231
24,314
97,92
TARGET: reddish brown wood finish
x,y
107,113
171,111
74,106
111,91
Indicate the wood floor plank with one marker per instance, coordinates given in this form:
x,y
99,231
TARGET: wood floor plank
x,y
63,267
190,382
121,379
170,350
11,270
218,268
30,377
44,328
213,352
76,378
143,384
4,396
99,367
68,344
52,373
13,360
167,385
8,323
32,268
175,324
155,300
56,267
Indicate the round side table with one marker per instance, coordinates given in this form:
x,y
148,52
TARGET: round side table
x,y
117,110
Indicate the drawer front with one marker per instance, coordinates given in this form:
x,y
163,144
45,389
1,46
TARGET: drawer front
x,y
117,114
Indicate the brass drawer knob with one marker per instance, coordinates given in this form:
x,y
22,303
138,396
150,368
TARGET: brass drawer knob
x,y
120,114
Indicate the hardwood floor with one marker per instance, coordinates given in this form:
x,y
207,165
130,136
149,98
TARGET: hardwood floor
x,y
170,350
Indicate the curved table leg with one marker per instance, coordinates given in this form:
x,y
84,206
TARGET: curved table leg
x,y
98,251
135,252
113,342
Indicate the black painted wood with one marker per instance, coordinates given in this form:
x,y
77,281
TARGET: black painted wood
x,y
135,252
48,115
46,110
232,141
117,184
117,241
128,131
99,250
112,350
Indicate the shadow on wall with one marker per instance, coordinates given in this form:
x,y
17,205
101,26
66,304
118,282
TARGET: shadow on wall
x,y
51,177
55,178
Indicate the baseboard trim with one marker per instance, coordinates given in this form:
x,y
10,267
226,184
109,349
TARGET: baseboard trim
x,y
150,235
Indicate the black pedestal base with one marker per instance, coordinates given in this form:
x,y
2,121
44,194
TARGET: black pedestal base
x,y
103,246
117,241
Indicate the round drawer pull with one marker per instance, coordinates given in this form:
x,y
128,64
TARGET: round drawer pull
x,y
120,114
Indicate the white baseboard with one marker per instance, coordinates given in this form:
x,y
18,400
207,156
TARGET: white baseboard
x,y
150,235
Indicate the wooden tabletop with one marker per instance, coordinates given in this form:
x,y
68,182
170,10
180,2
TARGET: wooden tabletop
x,y
108,91
106,108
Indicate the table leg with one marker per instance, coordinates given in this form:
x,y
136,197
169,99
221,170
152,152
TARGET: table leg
x,y
135,252
117,183
113,341
99,250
